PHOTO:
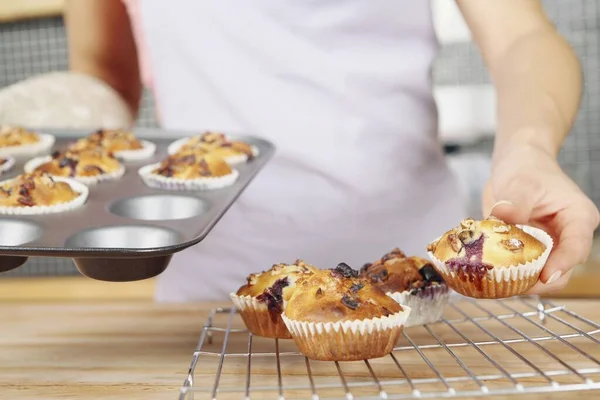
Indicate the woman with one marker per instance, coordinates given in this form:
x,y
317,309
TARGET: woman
x,y
342,88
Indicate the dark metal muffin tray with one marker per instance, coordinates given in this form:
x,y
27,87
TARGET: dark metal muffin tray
x,y
126,231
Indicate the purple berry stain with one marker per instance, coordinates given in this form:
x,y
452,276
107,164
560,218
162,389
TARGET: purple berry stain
x,y
273,297
470,267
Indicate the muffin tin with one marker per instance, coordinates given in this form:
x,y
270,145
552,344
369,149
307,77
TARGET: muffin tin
x,y
126,231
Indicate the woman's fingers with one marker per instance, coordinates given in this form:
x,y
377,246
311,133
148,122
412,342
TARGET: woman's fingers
x,y
575,231
561,283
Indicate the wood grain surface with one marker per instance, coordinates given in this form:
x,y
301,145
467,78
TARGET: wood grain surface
x,y
140,350
15,10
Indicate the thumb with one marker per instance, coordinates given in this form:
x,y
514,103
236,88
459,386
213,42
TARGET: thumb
x,y
515,202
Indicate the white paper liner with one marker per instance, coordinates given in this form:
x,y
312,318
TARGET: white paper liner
x,y
43,146
162,182
347,340
148,149
8,164
363,327
53,209
34,163
261,323
246,302
426,306
513,272
231,160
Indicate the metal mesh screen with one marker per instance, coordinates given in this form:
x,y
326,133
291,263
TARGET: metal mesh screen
x,y
39,46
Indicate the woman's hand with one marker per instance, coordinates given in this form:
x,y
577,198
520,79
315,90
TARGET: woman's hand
x,y
527,186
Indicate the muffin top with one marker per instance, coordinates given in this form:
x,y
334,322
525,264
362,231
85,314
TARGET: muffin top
x,y
396,273
35,189
218,143
17,136
486,244
87,162
111,140
191,166
276,284
338,294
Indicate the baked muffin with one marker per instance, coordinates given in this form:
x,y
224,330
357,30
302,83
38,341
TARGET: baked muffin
x,y
234,152
40,193
412,282
335,315
189,172
490,259
123,144
261,300
88,166
19,142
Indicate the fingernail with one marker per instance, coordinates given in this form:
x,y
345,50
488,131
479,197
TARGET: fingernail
x,y
501,202
554,277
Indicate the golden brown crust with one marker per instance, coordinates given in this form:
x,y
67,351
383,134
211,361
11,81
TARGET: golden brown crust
x,y
87,162
259,282
16,136
191,166
111,140
270,289
396,273
215,143
338,294
36,189
491,241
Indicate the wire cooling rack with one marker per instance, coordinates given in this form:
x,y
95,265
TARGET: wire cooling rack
x,y
481,348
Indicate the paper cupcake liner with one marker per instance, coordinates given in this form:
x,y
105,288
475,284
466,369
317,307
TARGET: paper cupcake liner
x,y
162,182
348,340
34,163
231,160
53,209
241,158
427,306
148,149
499,282
257,318
8,164
41,147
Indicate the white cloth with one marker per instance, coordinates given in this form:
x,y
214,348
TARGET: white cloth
x,y
342,87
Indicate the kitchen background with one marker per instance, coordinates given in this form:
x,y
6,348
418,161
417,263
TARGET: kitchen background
x,y
465,99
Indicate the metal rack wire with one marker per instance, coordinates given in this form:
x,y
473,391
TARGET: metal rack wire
x,y
480,348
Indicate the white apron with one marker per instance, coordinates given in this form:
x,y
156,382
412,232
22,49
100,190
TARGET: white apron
x,y
342,87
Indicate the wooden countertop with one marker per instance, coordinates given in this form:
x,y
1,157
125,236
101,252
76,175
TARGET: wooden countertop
x,y
122,350
16,10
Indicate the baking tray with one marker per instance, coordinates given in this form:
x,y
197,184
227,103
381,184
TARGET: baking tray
x,y
126,231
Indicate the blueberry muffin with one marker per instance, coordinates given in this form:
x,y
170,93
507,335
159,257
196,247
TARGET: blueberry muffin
x,y
189,172
19,142
40,193
233,152
122,143
88,166
261,300
412,282
489,258
335,315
